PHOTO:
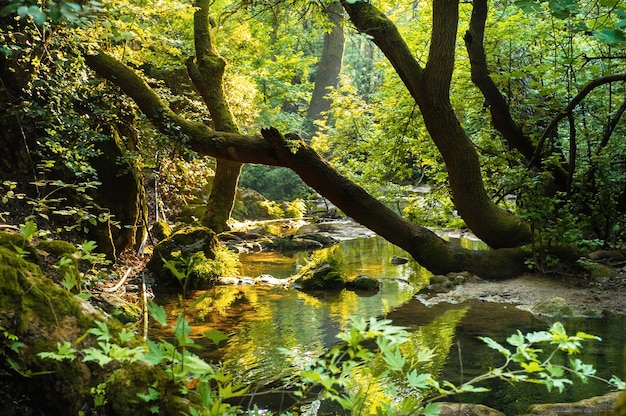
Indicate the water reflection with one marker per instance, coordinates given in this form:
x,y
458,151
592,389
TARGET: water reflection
x,y
260,320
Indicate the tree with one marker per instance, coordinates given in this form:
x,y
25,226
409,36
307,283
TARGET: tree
x,y
554,168
207,75
329,68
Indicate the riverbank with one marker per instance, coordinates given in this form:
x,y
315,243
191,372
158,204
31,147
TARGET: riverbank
x,y
585,296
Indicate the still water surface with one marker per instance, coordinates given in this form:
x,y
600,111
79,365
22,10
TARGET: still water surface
x,y
260,320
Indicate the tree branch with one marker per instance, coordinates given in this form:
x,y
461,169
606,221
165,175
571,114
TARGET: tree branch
x,y
432,252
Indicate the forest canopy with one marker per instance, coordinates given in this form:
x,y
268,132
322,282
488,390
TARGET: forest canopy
x,y
510,111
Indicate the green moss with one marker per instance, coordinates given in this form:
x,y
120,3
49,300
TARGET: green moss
x,y
161,230
16,242
57,247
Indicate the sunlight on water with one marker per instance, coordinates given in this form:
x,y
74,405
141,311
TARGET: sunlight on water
x,y
261,320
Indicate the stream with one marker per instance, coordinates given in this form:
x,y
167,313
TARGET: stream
x,y
259,320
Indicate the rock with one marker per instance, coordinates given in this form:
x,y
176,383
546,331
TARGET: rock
x,y
324,239
555,307
467,409
597,406
269,280
397,260
320,277
183,243
365,283
114,305
161,230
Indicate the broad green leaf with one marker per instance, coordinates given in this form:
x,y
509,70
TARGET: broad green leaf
x,y
97,355
102,332
496,346
156,353
394,359
152,394
532,367
431,409
28,229
196,365
528,6
157,313
215,336
516,340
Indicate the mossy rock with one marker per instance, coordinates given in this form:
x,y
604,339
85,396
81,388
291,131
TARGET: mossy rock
x,y
123,311
555,307
599,406
161,230
321,277
183,244
14,242
364,283
42,315
58,248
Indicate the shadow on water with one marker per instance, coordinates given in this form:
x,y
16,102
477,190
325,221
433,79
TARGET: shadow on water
x,y
262,320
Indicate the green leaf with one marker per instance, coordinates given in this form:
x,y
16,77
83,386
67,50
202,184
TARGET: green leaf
x,y
215,336
394,359
102,332
610,37
157,313
516,340
196,365
431,409
496,346
65,351
28,230
156,353
152,394
532,367
420,381
97,355
528,6
126,335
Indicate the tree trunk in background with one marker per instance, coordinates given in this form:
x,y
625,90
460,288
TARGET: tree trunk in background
x,y
207,73
329,66
430,87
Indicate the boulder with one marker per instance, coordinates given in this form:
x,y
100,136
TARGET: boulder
x,y
182,244
555,307
397,260
364,283
596,406
466,409
322,276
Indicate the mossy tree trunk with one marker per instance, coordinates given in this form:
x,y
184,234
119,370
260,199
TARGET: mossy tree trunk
x,y
430,87
207,72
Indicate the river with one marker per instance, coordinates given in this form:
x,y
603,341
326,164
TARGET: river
x,y
260,320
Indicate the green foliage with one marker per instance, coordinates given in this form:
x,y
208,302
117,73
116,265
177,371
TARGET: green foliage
x,y
82,268
182,182
275,183
78,14
197,270
433,210
347,373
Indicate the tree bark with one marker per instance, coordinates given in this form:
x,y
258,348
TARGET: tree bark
x,y
207,74
498,106
329,65
432,252
430,87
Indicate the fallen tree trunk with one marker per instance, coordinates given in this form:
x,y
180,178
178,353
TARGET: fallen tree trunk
x,y
272,148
